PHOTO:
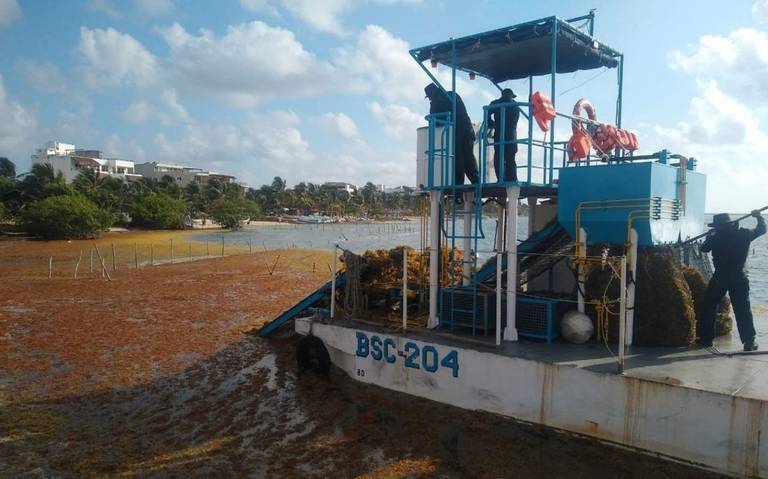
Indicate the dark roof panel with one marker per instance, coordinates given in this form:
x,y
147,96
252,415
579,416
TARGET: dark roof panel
x,y
522,51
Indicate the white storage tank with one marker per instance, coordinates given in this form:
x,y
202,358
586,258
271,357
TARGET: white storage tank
x,y
422,157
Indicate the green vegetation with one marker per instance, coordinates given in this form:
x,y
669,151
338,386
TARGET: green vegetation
x,y
64,217
230,212
158,211
165,204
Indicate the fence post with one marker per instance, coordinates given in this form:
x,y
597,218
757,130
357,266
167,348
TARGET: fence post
x,y
77,265
136,255
151,254
50,267
114,262
104,270
91,268
222,244
189,249
171,250
250,246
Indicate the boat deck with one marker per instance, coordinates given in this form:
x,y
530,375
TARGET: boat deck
x,y
743,376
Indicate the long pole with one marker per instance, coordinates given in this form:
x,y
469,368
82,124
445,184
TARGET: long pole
x,y
114,261
498,297
622,312
405,289
731,222
510,332
434,238
136,255
171,250
632,275
581,245
333,284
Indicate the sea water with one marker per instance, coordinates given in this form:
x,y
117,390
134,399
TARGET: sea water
x,y
359,237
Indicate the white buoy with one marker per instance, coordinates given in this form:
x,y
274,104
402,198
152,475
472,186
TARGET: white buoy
x,y
576,327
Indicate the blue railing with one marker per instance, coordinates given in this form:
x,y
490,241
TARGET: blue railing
x,y
535,170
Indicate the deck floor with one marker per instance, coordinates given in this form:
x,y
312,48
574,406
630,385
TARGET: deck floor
x,y
696,368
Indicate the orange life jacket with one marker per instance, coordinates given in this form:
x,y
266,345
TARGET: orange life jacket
x,y
579,146
543,110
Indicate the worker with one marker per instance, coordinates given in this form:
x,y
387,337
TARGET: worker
x,y
465,162
507,135
729,245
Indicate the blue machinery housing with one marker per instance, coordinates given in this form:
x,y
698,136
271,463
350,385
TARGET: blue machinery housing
x,y
661,195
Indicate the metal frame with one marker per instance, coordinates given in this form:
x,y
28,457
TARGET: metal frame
x,y
446,153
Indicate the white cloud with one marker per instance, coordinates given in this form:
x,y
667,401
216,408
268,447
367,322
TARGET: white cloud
x,y
17,128
260,6
381,60
9,12
398,121
242,66
323,15
167,110
46,77
268,145
111,58
105,7
739,62
760,11
341,124
115,146
726,138
154,8
137,112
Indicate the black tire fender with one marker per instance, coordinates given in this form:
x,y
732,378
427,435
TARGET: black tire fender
x,y
312,355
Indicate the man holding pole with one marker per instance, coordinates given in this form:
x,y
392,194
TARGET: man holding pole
x,y
729,245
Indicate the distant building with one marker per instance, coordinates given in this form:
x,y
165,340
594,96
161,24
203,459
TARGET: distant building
x,y
70,162
398,190
183,175
341,186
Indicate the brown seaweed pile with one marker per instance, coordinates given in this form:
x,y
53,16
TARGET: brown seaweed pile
x,y
698,285
667,304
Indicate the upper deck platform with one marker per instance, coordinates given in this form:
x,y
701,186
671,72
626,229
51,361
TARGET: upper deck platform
x,y
523,50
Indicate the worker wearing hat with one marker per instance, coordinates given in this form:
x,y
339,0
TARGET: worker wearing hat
x,y
465,162
504,133
729,245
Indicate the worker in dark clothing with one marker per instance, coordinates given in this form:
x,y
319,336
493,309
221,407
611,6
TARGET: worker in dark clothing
x,y
504,131
440,102
729,245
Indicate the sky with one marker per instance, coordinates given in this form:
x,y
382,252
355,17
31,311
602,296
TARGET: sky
x,y
325,90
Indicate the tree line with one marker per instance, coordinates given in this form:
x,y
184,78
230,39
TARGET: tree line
x,y
42,203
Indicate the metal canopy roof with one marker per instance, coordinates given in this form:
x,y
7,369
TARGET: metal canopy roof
x,y
522,50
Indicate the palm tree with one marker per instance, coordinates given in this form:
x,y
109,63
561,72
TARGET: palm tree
x,y
34,183
7,168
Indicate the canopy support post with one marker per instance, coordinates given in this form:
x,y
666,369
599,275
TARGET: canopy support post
x,y
552,95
